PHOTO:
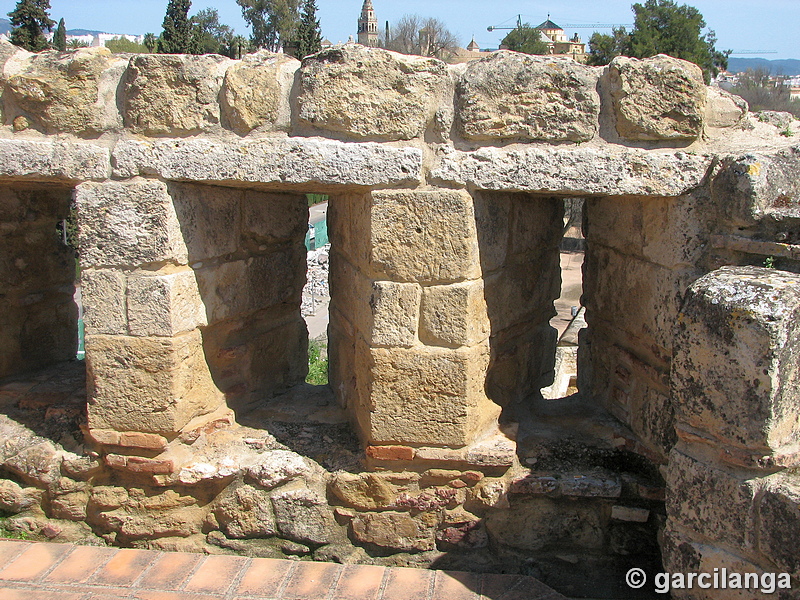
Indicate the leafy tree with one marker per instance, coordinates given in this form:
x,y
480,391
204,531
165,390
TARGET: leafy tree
x,y
178,36
603,47
29,20
526,39
763,92
74,44
309,36
212,37
60,37
273,22
424,36
150,41
663,27
121,45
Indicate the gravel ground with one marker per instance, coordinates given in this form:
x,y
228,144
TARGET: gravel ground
x,y
316,291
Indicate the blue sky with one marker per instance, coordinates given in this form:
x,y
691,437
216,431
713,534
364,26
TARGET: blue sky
x,y
739,24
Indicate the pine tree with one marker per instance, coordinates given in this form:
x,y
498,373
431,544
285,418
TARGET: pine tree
x,y
60,37
29,20
178,36
309,36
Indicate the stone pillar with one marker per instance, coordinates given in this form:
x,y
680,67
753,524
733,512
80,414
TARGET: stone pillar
x,y
146,368
731,502
409,323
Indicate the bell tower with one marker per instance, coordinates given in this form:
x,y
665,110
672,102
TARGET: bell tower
x,y
368,25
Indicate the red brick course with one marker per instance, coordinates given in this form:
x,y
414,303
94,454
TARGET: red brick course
x,y
44,571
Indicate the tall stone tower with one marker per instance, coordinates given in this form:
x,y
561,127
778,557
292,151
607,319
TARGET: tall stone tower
x,y
368,25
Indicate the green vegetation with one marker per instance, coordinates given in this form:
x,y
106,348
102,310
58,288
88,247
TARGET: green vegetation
x,y
769,262
29,20
177,36
316,198
5,532
317,366
60,37
75,44
526,39
273,22
662,27
309,36
121,45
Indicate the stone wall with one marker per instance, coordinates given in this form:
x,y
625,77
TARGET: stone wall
x,y
446,187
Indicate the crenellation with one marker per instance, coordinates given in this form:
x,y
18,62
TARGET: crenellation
x,y
186,178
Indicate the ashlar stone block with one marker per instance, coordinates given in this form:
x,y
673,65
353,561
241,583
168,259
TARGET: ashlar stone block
x,y
103,298
253,92
428,396
779,521
658,98
395,313
128,224
425,236
454,315
370,92
148,384
735,373
512,95
173,94
164,304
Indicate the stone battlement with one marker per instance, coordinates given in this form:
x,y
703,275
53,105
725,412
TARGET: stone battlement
x,y
186,176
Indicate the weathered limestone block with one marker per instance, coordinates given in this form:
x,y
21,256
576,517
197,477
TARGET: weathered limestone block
x,y
152,385
454,315
684,555
779,521
396,530
658,98
245,512
723,109
164,304
735,373
278,161
276,467
532,524
365,491
425,236
513,95
575,172
274,218
15,499
173,94
303,515
60,160
256,90
37,464
749,188
522,362
370,92
244,286
103,298
131,223
708,500
666,231
70,92
395,313
429,396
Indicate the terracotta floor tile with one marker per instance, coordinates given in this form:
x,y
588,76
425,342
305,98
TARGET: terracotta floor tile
x,y
408,584
124,567
10,549
29,594
160,595
494,585
34,562
264,577
311,581
216,574
169,571
80,564
359,582
456,586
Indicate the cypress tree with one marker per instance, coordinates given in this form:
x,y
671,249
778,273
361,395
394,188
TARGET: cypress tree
x,y
29,20
60,37
309,37
178,34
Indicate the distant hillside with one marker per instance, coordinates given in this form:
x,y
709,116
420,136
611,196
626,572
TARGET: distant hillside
x,y
5,27
789,66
